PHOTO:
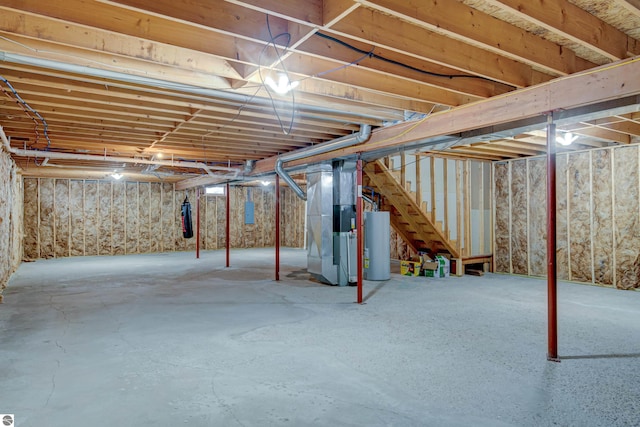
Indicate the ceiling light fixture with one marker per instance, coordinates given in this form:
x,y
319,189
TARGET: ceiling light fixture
x,y
567,139
116,175
284,86
265,183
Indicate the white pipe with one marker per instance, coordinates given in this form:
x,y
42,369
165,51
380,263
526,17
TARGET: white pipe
x,y
336,144
94,158
149,81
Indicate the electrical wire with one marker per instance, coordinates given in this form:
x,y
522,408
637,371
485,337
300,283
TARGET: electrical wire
x,y
373,55
35,122
22,102
272,41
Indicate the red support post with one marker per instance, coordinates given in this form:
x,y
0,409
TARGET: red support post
x,y
552,277
198,223
277,237
359,228
227,232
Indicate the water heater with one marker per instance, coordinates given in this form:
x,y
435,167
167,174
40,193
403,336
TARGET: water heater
x,y
377,234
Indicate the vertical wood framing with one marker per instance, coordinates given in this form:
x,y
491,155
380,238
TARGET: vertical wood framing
x,y
174,230
613,218
494,219
510,221
53,218
98,218
432,174
39,228
161,242
492,210
591,225
84,228
481,248
467,208
69,217
403,169
111,219
124,208
459,237
418,181
138,216
528,217
445,172
150,221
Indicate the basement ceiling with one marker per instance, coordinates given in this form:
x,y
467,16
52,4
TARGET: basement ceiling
x,y
185,79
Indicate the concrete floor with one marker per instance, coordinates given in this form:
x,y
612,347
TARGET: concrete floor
x,y
166,340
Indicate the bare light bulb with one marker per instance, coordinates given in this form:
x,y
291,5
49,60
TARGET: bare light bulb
x,y
568,139
283,86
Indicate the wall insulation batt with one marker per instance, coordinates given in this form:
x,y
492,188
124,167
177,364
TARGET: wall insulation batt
x,y
87,217
598,216
11,218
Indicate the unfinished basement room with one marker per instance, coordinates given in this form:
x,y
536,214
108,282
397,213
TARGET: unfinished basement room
x,y
319,213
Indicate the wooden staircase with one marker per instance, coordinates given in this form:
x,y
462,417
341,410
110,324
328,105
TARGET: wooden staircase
x,y
407,217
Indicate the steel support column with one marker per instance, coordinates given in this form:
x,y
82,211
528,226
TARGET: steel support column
x,y
359,228
277,236
552,332
227,228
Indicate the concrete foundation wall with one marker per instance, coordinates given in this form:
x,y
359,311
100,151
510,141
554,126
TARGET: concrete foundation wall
x,y
598,216
11,219
88,217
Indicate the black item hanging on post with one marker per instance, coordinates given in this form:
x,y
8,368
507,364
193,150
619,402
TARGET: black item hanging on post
x,y
187,227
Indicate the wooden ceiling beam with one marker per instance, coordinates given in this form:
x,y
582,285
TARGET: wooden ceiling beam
x,y
463,23
392,33
43,50
97,40
502,146
238,52
576,24
220,16
367,79
307,12
335,10
605,83
601,133
474,87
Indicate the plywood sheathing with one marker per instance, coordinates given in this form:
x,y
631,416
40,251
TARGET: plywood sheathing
x,y
103,217
612,16
598,216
